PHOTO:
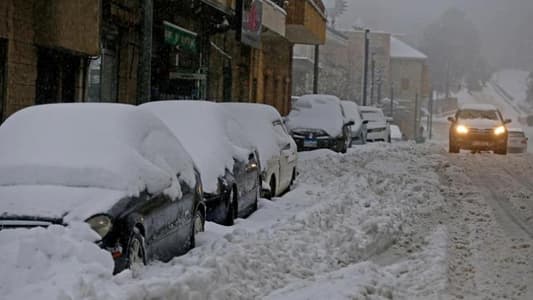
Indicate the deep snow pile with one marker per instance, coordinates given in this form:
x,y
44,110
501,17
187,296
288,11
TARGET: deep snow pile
x,y
343,211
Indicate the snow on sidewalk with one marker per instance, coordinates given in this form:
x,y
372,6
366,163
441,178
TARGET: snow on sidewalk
x,y
344,210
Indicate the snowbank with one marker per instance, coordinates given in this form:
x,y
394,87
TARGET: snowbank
x,y
210,135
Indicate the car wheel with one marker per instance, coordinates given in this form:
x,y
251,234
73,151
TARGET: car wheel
x,y
453,147
136,253
501,151
231,208
293,178
197,226
272,185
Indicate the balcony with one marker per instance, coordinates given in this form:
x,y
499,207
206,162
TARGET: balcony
x,y
306,22
274,17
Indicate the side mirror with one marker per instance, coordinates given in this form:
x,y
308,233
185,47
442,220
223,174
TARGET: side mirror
x,y
365,122
451,119
507,121
351,123
286,147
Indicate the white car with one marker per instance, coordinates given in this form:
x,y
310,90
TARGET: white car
x,y
395,133
378,125
517,142
278,152
359,127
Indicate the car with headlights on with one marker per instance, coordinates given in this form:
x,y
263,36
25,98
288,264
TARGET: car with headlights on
x,y
113,166
318,121
278,152
478,127
378,127
227,160
359,127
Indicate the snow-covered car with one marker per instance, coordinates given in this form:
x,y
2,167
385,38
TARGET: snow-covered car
x,y
378,127
113,166
478,127
517,142
227,160
278,153
318,121
359,127
395,133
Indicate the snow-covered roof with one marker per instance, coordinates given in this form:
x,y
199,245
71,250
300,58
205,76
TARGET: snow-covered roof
x,y
212,137
92,145
317,112
476,106
399,49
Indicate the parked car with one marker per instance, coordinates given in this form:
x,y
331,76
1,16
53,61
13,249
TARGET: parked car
x,y
278,152
113,166
227,160
378,125
517,142
395,133
359,128
318,121
478,127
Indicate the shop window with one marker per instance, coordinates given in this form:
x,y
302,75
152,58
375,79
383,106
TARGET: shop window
x,y
3,58
56,76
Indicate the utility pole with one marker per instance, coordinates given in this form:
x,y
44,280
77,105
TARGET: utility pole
x,y
416,118
365,71
317,62
144,72
372,79
430,136
392,100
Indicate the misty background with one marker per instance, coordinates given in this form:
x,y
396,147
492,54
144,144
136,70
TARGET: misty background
x,y
505,27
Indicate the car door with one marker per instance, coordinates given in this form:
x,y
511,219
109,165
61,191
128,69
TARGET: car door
x,y
288,154
169,222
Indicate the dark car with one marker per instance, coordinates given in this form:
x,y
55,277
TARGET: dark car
x,y
318,121
113,166
227,160
478,128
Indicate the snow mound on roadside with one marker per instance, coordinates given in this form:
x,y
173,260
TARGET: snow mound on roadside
x,y
53,263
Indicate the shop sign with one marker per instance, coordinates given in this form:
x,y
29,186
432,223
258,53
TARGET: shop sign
x,y
252,15
180,37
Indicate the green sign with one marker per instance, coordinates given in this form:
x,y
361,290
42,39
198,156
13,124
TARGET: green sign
x,y
180,37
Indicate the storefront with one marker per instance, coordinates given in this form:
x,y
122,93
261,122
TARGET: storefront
x,y
3,57
178,72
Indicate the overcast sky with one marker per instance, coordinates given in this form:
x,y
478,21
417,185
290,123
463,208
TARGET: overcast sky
x,y
497,20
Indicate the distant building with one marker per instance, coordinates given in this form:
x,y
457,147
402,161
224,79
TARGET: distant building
x,y
410,80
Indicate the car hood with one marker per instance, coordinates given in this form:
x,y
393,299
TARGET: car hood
x,y
56,202
480,123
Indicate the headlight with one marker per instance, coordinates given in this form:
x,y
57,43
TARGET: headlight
x,y
499,130
461,129
101,224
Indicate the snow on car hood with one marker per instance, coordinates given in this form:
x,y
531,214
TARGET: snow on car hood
x,y
480,123
56,202
315,114
208,133
106,146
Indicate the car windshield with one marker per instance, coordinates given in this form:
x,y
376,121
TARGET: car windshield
x,y
372,116
469,114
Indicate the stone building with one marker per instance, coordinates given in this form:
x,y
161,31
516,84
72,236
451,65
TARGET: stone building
x,y
410,80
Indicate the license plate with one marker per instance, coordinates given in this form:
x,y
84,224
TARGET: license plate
x,y
480,144
310,143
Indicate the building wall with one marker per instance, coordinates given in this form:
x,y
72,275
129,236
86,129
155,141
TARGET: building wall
x,y
16,25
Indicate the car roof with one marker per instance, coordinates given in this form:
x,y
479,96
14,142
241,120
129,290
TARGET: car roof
x,y
516,130
478,107
369,108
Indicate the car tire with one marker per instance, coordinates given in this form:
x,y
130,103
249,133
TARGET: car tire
x,y
293,178
453,147
272,185
231,208
135,251
501,151
198,226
